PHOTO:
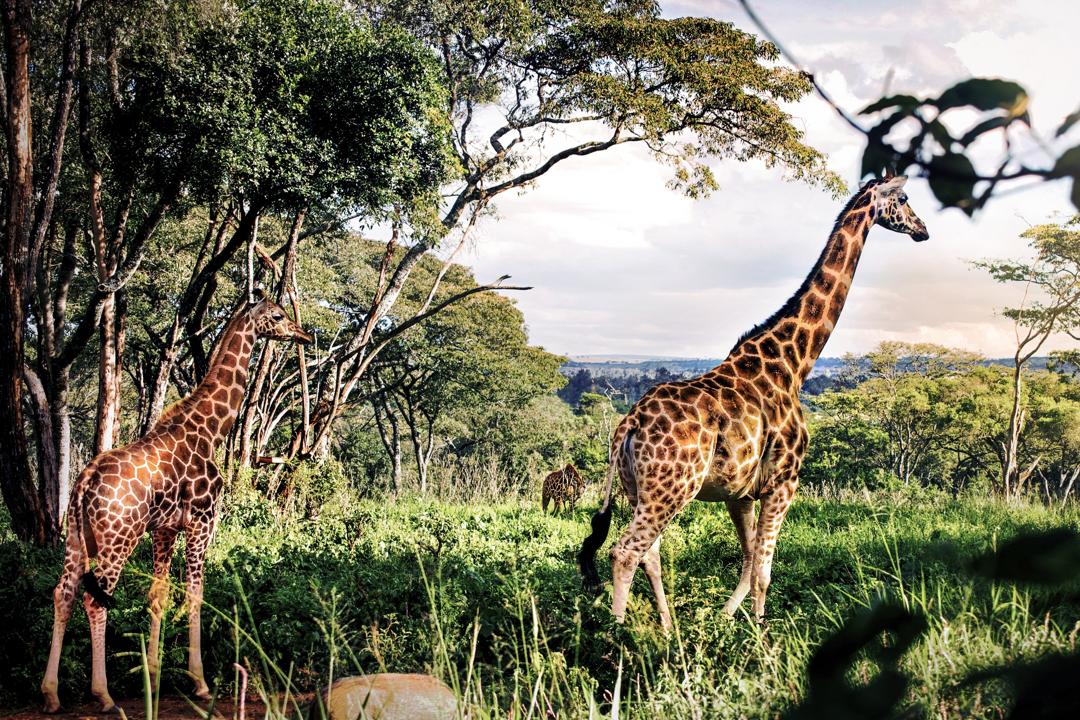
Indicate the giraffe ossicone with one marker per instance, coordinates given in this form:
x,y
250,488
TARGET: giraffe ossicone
x,y
164,483
737,434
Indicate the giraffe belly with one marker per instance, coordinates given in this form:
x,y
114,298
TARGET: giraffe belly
x,y
728,481
736,460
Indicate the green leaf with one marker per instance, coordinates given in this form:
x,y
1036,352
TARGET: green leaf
x,y
985,126
1068,165
875,157
1067,125
906,103
952,181
941,134
878,154
985,94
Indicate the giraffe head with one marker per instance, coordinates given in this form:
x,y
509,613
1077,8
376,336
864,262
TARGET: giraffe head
x,y
272,322
891,209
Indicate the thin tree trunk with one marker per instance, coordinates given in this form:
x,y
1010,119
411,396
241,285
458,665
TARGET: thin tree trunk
x,y
1010,466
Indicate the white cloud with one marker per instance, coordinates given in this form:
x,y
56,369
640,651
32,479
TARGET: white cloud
x,y
623,265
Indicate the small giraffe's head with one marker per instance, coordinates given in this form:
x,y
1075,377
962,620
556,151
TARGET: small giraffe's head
x,y
272,322
891,209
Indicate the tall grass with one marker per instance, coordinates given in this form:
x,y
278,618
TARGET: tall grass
x,y
487,598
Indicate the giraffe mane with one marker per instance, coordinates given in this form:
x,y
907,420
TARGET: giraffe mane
x,y
792,302
170,412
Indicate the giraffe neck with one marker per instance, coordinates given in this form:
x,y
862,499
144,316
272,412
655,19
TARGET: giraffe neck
x,y
826,290
797,333
215,403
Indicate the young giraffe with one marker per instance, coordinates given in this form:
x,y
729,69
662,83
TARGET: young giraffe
x,y
737,432
164,483
563,487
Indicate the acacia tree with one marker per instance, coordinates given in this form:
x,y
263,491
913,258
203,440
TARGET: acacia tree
x,y
1051,305
559,81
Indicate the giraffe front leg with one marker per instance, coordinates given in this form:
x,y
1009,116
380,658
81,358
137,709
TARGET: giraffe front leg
x,y
164,538
774,507
111,559
198,537
742,515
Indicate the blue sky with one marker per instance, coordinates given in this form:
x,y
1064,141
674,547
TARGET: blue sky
x,y
622,265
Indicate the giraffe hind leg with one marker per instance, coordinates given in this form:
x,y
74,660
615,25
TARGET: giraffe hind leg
x,y
63,603
644,530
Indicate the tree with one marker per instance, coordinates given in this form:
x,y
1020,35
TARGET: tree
x,y
1051,305
1055,423
33,176
453,379
605,74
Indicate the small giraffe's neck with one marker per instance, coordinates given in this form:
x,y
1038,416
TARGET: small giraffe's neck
x,y
215,403
797,333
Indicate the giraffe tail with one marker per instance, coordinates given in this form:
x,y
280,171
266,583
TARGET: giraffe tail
x,y
78,524
601,525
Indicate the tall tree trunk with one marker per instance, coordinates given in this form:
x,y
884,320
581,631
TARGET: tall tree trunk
x,y
28,518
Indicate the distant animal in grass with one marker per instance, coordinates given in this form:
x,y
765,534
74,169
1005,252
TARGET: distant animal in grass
x,y
389,696
563,487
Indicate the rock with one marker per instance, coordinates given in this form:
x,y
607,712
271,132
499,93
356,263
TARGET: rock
x,y
391,696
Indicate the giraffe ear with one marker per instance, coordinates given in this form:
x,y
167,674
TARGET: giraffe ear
x,y
888,174
258,294
893,184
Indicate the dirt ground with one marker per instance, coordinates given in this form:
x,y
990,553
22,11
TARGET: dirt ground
x,y
171,708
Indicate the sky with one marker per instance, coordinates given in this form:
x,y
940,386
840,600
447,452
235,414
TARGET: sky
x,y
622,265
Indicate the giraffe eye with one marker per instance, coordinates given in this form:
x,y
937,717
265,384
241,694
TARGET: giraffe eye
x,y
278,317
903,199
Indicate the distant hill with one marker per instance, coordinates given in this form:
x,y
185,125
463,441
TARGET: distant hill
x,y
625,378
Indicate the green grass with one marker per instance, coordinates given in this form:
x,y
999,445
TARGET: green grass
x,y
487,597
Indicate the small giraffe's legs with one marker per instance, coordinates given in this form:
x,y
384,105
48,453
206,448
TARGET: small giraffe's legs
x,y
164,538
63,602
651,563
774,507
198,535
742,515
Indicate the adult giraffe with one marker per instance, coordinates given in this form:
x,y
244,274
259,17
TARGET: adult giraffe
x,y
737,432
164,483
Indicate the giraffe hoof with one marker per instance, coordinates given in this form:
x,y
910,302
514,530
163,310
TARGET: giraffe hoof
x,y
203,693
108,708
51,707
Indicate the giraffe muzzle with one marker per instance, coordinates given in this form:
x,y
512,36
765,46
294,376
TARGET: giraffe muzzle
x,y
302,336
